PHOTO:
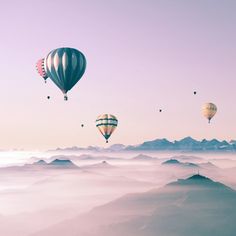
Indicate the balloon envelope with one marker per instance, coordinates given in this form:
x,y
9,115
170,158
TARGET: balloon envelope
x,y
106,124
65,67
41,69
209,110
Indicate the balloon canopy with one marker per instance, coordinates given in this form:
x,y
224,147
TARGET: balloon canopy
x,y
106,124
41,69
209,110
65,67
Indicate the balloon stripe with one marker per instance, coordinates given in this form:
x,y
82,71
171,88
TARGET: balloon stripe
x,y
55,73
106,124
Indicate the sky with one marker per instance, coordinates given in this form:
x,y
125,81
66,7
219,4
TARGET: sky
x,y
142,56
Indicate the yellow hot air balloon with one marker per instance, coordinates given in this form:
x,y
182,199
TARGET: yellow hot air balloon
x,y
209,110
106,124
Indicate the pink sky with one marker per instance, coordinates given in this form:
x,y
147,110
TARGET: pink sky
x,y
141,55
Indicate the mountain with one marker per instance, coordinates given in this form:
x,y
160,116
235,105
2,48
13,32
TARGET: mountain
x,y
193,206
187,158
117,147
214,144
174,162
100,165
171,162
86,157
75,158
57,163
34,166
40,163
185,144
201,181
76,149
142,157
157,144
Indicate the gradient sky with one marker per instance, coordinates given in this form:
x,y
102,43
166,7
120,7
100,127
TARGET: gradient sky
x,y
142,55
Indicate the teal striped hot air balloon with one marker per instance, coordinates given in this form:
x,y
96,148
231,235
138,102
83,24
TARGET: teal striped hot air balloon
x,y
65,67
106,124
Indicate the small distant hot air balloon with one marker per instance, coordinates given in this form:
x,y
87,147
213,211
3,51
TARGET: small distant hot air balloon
x,y
41,70
48,97
106,124
82,125
209,110
65,67
160,110
195,92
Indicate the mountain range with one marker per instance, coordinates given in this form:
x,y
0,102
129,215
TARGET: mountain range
x,y
56,163
193,206
185,144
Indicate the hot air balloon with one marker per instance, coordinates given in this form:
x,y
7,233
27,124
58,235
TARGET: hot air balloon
x,y
82,125
41,70
160,110
106,124
65,67
195,92
48,97
209,110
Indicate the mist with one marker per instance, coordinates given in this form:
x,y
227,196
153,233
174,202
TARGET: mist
x,y
47,189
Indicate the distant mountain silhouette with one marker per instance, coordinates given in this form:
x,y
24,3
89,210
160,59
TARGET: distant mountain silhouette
x,y
75,149
171,162
103,164
187,158
117,147
40,163
194,206
174,162
142,157
56,163
161,144
62,164
185,144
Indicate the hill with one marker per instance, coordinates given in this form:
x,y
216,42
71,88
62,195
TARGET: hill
x,y
193,206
